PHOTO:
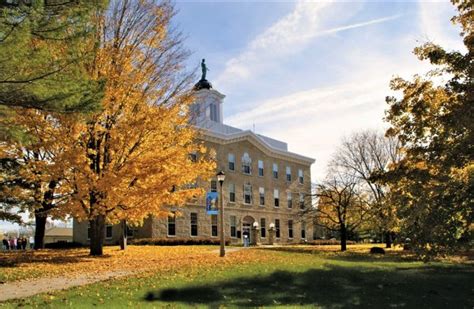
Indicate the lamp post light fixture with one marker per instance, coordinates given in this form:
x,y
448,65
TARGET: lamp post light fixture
x,y
220,179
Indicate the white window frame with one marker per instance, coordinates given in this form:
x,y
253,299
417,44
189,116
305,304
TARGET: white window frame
x,y
246,162
290,228
275,170
288,173
232,190
289,199
231,159
261,167
276,197
216,225
300,176
247,189
301,201
261,193
263,227
234,225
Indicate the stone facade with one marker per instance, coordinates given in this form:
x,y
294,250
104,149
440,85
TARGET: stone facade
x,y
253,217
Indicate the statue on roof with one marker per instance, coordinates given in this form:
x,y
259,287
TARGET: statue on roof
x,y
204,69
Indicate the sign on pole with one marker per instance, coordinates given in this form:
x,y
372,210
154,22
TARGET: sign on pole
x,y
212,206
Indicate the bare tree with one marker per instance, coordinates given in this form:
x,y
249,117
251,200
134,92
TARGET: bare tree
x,y
366,154
341,207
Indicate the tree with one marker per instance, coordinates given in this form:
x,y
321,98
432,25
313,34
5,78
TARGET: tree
x,y
341,207
367,154
30,179
433,185
44,51
132,158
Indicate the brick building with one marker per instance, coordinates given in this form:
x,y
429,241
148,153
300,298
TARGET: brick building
x,y
265,187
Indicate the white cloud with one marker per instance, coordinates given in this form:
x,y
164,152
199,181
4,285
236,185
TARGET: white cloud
x,y
287,36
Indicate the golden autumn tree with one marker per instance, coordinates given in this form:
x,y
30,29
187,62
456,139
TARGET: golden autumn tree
x,y
133,157
30,178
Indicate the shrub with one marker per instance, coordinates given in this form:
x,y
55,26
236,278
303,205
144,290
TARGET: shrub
x,y
377,250
321,242
176,241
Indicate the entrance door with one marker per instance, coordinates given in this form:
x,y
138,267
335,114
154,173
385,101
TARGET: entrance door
x,y
246,233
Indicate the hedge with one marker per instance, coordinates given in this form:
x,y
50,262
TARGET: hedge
x,y
322,242
175,241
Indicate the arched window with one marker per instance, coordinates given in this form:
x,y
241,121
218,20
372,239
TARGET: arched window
x,y
246,164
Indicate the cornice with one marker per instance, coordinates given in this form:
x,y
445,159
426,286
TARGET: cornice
x,y
249,136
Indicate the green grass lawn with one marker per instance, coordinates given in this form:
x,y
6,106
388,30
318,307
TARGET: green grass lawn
x,y
311,279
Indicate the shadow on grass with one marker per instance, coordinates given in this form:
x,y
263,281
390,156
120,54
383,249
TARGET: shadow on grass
x,y
49,256
333,286
354,256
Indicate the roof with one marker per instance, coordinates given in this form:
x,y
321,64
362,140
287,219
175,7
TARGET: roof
x,y
59,231
267,145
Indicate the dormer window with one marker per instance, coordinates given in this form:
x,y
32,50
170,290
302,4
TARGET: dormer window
x,y
246,164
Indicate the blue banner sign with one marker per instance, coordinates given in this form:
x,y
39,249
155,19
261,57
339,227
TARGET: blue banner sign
x,y
212,206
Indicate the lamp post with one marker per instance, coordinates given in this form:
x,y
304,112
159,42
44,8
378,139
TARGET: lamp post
x,y
220,179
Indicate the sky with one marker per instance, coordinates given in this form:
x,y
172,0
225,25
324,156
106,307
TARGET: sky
x,y
311,73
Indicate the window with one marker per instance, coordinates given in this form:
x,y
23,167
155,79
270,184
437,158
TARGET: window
x,y
260,168
89,230
288,173
277,228
289,199
261,193
290,228
214,225
194,224
213,112
231,159
213,186
263,231
247,193
275,170
108,231
303,230
276,197
246,164
172,224
300,176
193,157
232,193
302,200
233,226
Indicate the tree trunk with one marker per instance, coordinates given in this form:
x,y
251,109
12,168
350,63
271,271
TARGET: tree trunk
x,y
343,232
123,236
41,215
97,235
388,239
40,221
